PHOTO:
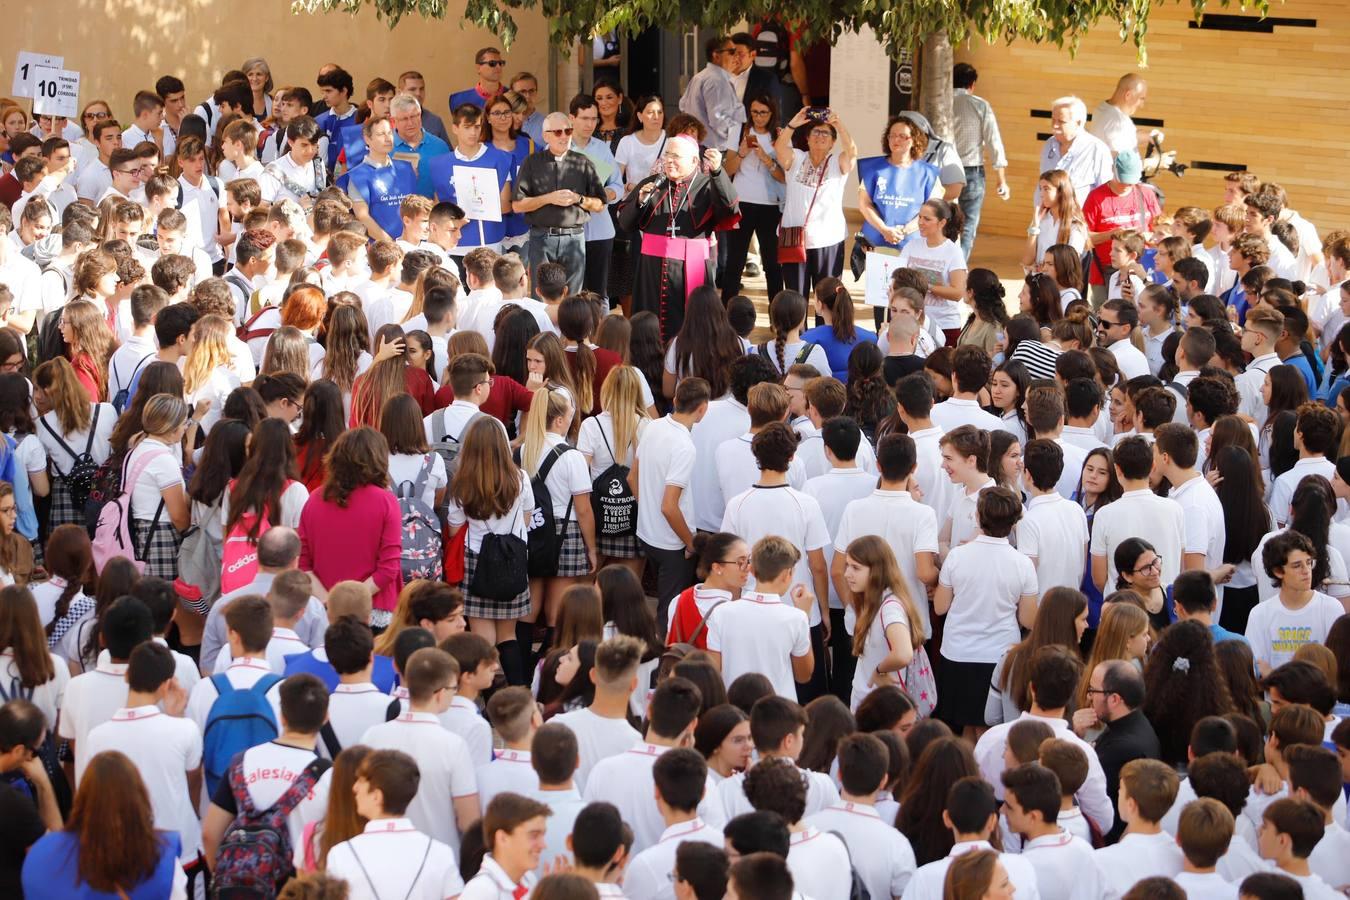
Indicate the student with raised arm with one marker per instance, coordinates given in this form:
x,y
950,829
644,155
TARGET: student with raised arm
x,y
1053,532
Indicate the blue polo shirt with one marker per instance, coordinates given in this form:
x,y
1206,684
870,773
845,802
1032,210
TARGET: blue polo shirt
x,y
459,98
476,232
429,148
382,676
533,127
382,189
1300,362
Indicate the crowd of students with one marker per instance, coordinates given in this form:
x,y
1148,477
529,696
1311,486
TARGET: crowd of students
x,y
328,533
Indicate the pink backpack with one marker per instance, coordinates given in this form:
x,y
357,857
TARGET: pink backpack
x,y
239,552
112,534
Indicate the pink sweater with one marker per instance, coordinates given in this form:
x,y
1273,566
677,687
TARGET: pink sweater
x,y
362,541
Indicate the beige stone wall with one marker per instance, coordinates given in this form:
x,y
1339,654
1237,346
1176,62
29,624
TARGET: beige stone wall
x,y
121,46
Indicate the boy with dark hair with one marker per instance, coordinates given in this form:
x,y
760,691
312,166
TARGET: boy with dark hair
x,y
1204,832
299,174
1082,407
1291,725
965,460
777,726
356,704
1315,433
1194,597
1063,863
1147,789
1052,523
513,830
598,841
1175,451
760,876
970,374
23,733
1315,775
681,779
1290,831
914,407
1212,734
1138,512
819,862
479,664
1045,419
700,872
554,759
1298,614
971,813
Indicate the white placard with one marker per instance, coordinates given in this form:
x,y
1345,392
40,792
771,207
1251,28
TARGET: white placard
x,y
25,68
478,193
56,92
877,277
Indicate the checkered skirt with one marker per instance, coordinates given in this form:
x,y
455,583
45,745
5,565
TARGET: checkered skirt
x,y
618,547
476,607
64,511
161,554
572,559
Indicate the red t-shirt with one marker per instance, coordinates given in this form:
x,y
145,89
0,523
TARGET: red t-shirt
x,y
1105,210
416,382
506,397
605,360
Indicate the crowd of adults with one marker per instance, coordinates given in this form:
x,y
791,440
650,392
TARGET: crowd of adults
x,y
344,450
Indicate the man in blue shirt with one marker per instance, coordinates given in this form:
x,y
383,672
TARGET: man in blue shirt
x,y
379,183
1289,347
527,86
491,67
1193,597
466,121
599,228
336,86
412,82
412,143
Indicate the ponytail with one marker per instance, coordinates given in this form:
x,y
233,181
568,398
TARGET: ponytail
x,y
953,220
787,312
831,294
576,323
547,405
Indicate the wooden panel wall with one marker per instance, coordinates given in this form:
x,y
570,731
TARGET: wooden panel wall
x,y
1276,103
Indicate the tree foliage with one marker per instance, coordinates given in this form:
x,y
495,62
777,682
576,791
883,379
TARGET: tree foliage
x,y
898,24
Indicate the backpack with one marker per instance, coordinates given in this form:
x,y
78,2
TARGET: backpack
x,y
857,889
83,471
247,332
212,182
238,720
612,499
50,344
1179,389
447,446
199,560
801,356
502,570
112,534
119,400
543,540
239,552
255,858
423,551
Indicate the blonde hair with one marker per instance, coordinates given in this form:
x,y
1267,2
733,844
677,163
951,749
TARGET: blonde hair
x,y
162,414
1120,622
621,397
210,350
287,351
547,405
883,575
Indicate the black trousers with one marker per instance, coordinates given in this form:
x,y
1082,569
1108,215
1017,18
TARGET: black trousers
x,y
757,220
841,649
597,266
821,263
674,573
819,685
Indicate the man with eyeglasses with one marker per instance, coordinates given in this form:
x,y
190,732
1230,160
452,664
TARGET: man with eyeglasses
x,y
412,143
1116,693
558,189
527,86
23,729
711,95
599,229
491,67
412,82
95,175
1116,322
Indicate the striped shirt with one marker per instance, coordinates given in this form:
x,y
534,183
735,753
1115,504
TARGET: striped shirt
x,y
1038,357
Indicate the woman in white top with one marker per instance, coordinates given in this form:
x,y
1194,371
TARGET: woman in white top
x,y
160,512
30,458
612,438
72,428
639,150
887,629
706,345
935,253
814,199
759,182
222,459
207,373
259,75
787,316
348,352
16,553
66,598
1057,219
266,488
28,668
412,462
569,487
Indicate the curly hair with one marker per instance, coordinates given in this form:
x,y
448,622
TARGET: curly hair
x,y
1182,685
869,399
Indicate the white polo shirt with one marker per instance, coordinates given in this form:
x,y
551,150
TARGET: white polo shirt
x,y
202,207
1249,387
1141,513
464,719
834,491
450,422
881,854
964,510
781,511
987,577
1330,859
352,710
725,419
955,412
626,780
1134,858
565,805
269,771
820,865
760,633
597,738
511,772
666,456
1242,859
1205,529
737,470
391,858
1282,492
447,770
938,491
49,696
651,873
1206,886
1074,457
492,883
90,700
811,452
1054,531
907,526
821,792
1129,358
1064,867
284,642
1085,438
877,644
928,880
164,749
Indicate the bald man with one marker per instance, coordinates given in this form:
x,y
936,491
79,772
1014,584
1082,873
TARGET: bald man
x,y
1112,122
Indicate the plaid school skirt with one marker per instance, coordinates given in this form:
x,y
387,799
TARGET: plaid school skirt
x,y
476,607
64,511
572,559
618,547
161,553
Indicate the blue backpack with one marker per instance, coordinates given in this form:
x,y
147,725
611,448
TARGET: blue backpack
x,y
239,719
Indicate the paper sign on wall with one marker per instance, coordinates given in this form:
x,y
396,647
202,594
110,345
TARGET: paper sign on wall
x,y
25,69
56,92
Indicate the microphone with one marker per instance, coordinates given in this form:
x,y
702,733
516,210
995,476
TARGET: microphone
x,y
658,185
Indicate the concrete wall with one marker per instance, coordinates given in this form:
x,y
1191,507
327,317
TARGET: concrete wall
x,y
121,46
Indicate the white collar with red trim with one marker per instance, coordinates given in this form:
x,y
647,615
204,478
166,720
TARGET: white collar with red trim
x,y
135,713
389,826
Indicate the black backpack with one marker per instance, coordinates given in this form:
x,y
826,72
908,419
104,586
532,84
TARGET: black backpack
x,y
83,471
544,542
801,356
612,499
502,573
50,344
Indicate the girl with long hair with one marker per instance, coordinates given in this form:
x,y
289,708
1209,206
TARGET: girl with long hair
x,y
422,352
1237,668
787,315
30,464
936,252
389,374
722,736
978,875
411,459
502,117
1058,219
347,352
1097,486
222,460
156,378
1182,685
828,721
81,644
281,394
888,630
706,345
1004,463
723,568
160,512
322,419
1040,299
1064,264
838,334
1283,390
89,343
1061,619
73,426
514,330
490,494
645,351
28,667
94,278
869,401
1007,393
943,762
287,351
16,553
267,492
1122,634
341,822
66,598
1237,482
590,365
626,612
1232,431
573,673
208,373
1139,569
989,317
612,437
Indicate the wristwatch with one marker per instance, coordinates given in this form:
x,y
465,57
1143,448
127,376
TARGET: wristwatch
x,y
1033,231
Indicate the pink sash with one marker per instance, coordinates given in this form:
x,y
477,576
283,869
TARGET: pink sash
x,y
693,252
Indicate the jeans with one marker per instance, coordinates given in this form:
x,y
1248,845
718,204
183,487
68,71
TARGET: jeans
x,y
970,201
759,220
596,276
569,250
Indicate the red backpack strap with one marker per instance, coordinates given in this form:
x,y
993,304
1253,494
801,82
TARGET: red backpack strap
x,y
247,332
680,605
301,787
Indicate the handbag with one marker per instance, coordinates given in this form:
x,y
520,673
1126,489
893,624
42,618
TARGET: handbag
x,y
919,682
857,257
792,238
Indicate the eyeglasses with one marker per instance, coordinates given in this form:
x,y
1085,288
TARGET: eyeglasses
x,y
12,365
487,382
741,562
494,63
1302,565
563,131
500,114
527,92
1155,565
1093,690
821,132
98,115
126,171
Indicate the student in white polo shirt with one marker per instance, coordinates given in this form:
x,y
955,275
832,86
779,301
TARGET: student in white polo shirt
x,y
1053,532
760,632
776,727
478,666
513,830
515,717
447,800
602,729
390,856
300,173
965,456
1315,432
95,697
1045,419
727,417
826,398
1291,829
289,599
1082,407
626,779
1204,831
1175,450
680,778
971,368
163,746
881,855
913,406
819,861
661,478
734,460
268,770
554,759
1138,512
356,704
1063,862
1147,789
1315,775
597,843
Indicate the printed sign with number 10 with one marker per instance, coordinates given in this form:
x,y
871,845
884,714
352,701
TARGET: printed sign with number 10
x,y
56,92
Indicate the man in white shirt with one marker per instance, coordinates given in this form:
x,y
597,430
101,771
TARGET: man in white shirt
x,y
1082,408
514,827
1138,512
597,841
478,663
1063,862
1315,776
914,406
660,480
1262,210
680,779
1260,332
965,455
727,417
881,855
970,373
602,729
1083,156
165,747
1045,420
819,862
95,176
512,280
394,305
1112,122
1053,532
1116,322
554,759
711,97
482,289
515,717
23,278
972,816
1291,829
1204,834
1315,433
826,398
1147,789
777,726
356,704
1174,451
390,853
470,379
734,462
447,771
148,124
